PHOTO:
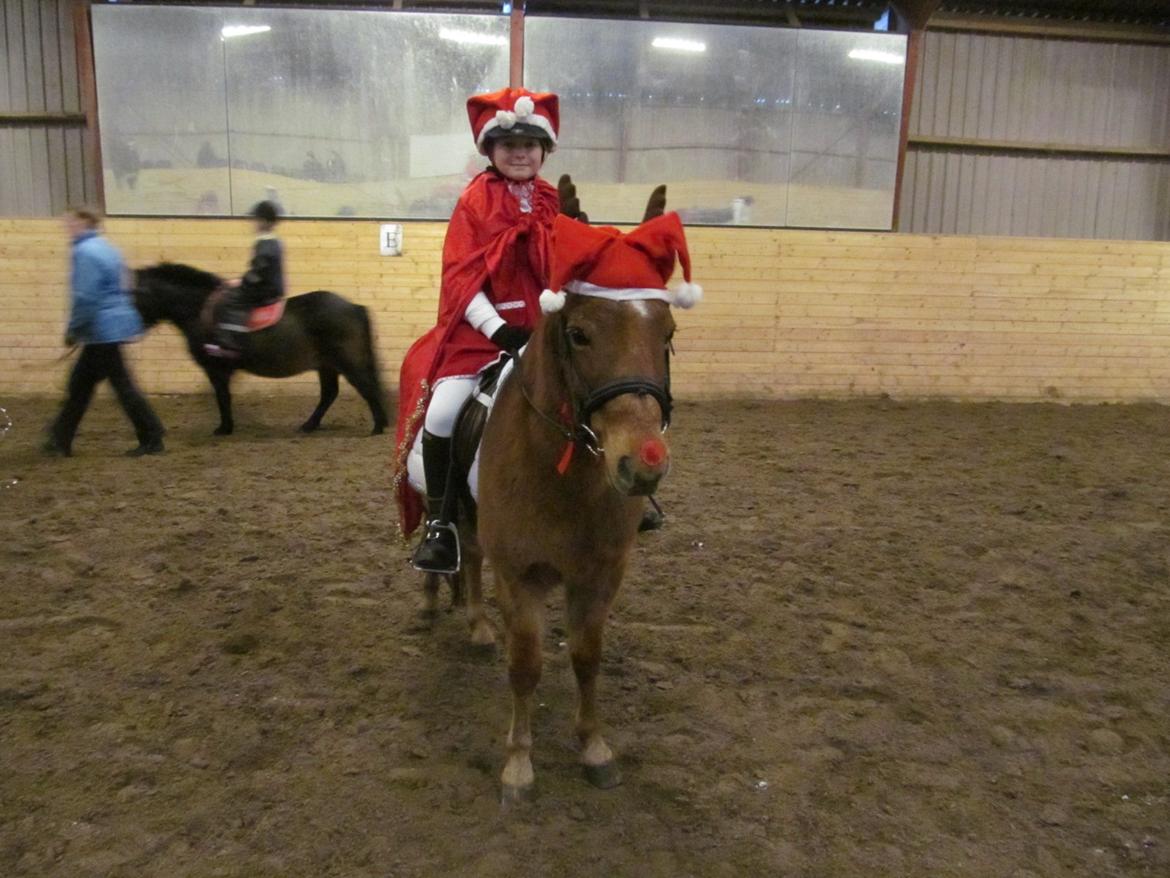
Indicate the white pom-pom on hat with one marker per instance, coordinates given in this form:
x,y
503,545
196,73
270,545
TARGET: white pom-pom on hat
x,y
550,301
687,295
524,106
506,118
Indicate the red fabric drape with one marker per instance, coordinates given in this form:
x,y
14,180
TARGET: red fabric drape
x,y
493,246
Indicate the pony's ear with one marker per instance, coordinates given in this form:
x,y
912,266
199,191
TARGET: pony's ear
x,y
553,326
656,206
570,204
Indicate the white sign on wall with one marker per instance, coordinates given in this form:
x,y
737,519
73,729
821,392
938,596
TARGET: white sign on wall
x,y
391,239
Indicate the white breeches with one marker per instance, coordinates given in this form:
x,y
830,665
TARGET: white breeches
x,y
446,401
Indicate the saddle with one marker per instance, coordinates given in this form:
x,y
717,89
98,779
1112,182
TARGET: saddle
x,y
468,432
260,317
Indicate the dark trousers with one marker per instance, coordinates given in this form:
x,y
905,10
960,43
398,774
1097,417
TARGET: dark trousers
x,y
97,363
231,320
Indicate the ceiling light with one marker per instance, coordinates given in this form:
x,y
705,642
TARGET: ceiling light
x,y
243,30
471,38
877,55
678,44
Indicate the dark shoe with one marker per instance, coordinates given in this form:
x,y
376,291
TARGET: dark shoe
x,y
439,550
53,448
155,446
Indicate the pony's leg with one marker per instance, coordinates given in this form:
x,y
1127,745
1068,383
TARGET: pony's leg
x,y
458,590
365,381
220,383
588,609
482,631
328,379
430,607
524,615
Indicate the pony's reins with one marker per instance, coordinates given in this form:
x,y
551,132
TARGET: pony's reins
x,y
576,430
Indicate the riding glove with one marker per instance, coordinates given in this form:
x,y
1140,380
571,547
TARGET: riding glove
x,y
511,338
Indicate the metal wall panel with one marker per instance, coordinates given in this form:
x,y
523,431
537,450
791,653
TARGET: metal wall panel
x,y
1035,91
42,167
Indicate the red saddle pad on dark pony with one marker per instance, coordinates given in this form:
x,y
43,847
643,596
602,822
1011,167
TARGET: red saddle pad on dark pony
x,y
265,316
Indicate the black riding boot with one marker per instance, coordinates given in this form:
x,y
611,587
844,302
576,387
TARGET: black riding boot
x,y
439,550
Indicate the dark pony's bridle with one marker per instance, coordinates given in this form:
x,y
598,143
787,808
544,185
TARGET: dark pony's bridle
x,y
577,413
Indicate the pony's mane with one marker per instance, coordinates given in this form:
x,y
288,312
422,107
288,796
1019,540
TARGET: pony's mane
x,y
181,275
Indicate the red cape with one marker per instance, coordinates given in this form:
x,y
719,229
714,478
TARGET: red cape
x,y
491,245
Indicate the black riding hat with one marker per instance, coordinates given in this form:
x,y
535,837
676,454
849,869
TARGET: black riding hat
x,y
265,211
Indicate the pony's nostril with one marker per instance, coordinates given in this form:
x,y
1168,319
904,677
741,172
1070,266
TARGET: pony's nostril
x,y
625,471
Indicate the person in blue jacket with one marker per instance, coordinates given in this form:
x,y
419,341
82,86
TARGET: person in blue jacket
x,y
101,320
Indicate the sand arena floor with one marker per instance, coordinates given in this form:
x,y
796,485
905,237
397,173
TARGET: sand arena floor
x,y
874,639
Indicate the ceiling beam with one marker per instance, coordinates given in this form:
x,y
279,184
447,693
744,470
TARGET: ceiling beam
x,y
1112,33
916,13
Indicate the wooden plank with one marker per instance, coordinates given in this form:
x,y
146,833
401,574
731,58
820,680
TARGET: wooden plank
x,y
31,118
832,314
1018,147
87,90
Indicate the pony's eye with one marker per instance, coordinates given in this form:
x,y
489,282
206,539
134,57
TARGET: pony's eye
x,y
578,337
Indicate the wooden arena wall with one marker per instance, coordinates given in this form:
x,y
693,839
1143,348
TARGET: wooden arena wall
x,y
786,314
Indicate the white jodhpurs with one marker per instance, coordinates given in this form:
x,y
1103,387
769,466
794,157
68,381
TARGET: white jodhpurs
x,y
446,401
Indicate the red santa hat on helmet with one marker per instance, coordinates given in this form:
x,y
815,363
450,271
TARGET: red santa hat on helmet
x,y
601,261
514,111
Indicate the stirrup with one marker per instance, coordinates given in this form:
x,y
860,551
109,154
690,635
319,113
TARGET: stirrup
x,y
434,531
215,350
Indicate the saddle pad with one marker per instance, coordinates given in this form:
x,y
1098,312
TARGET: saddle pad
x,y
265,316
485,394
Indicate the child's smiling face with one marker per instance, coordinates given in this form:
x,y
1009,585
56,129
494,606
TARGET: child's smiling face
x,y
517,158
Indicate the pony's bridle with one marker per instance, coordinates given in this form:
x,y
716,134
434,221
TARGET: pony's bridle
x,y
577,432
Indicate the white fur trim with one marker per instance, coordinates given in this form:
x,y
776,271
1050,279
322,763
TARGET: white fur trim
x,y
550,301
630,294
687,295
505,119
534,119
524,106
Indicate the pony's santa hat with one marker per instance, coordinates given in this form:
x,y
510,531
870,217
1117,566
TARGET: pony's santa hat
x,y
514,111
601,261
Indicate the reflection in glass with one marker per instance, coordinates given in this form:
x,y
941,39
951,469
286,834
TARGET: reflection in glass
x,y
351,113
160,83
328,112
751,126
845,137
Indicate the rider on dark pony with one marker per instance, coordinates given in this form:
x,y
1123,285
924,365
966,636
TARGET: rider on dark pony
x,y
262,284
495,265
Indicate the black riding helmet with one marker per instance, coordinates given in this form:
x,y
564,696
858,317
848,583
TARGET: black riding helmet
x,y
520,129
265,211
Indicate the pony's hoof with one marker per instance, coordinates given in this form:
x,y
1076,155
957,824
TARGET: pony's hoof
x,y
605,776
516,797
483,635
309,426
221,430
378,430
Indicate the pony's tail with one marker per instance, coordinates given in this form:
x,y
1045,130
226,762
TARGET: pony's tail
x,y
374,364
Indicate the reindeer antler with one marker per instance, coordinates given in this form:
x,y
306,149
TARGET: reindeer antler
x,y
656,206
570,204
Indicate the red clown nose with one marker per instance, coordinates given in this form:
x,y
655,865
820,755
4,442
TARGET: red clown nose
x,y
653,452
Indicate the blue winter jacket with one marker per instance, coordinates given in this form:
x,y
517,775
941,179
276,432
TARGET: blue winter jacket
x,y
102,310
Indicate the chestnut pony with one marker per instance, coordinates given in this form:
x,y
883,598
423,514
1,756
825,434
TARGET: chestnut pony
x,y
594,378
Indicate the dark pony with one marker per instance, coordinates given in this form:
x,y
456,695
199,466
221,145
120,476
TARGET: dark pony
x,y
319,331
